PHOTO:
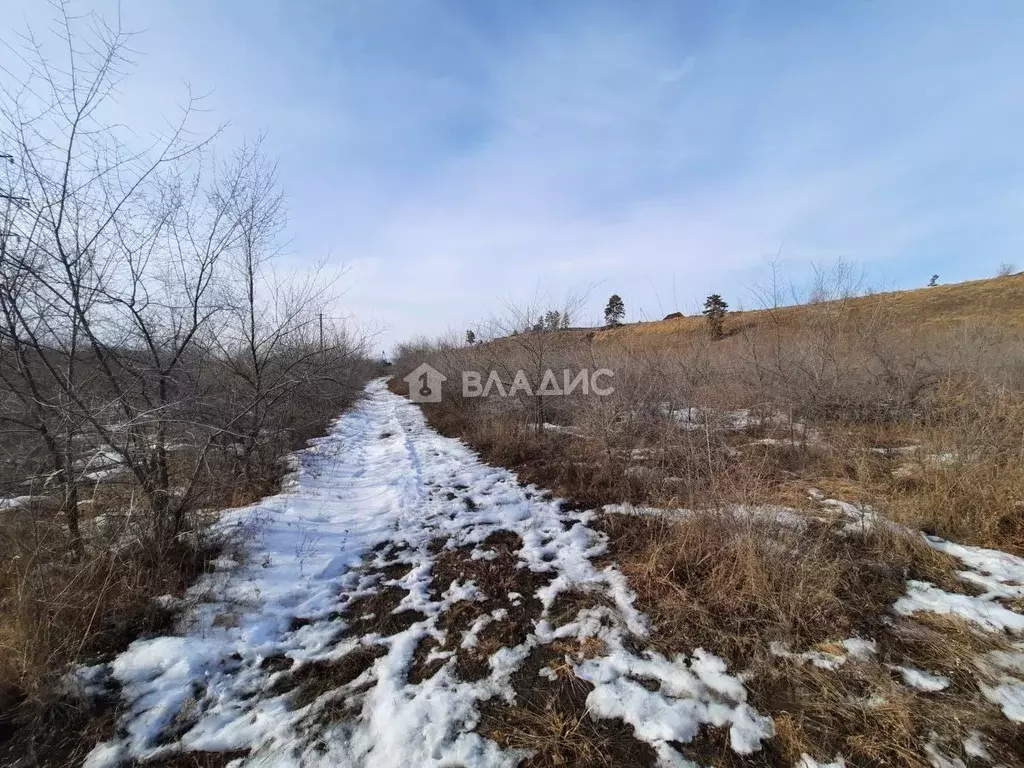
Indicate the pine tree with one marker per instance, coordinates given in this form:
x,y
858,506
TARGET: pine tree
x,y
614,311
934,281
714,310
470,338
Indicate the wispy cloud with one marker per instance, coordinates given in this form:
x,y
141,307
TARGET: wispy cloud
x,y
454,153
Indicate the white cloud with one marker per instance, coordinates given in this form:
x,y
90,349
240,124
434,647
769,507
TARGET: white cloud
x,y
453,155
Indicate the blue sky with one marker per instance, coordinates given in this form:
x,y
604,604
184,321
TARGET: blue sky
x,y
455,154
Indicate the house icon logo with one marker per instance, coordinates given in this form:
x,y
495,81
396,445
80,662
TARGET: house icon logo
x,y
425,384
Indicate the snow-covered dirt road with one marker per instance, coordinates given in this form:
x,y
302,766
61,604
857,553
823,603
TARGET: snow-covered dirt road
x,y
402,604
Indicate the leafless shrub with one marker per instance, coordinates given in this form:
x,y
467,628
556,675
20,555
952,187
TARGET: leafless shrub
x,y
151,362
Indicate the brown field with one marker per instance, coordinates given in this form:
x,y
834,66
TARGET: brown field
x,y
975,302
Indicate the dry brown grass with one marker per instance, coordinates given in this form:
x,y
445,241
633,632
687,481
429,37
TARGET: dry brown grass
x,y
734,586
737,585
978,301
55,612
859,407
966,480
911,402
550,718
317,678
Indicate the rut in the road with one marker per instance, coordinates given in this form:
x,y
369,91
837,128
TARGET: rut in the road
x,y
404,604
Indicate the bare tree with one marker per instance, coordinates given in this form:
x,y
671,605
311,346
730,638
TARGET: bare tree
x,y
529,348
75,186
139,317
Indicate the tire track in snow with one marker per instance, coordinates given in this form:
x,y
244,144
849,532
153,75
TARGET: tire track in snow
x,y
319,662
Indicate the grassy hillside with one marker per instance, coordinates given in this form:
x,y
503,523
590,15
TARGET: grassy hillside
x,y
997,300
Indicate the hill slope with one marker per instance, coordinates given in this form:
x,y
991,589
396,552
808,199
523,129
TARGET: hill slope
x,y
998,301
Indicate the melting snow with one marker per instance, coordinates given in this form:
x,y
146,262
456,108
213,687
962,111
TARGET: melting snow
x,y
855,647
1000,574
937,757
688,697
1000,687
1008,694
383,477
16,502
975,747
929,682
740,512
806,761
925,596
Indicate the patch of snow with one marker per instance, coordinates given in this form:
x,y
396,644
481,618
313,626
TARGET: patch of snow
x,y
975,747
924,596
1000,573
817,658
862,518
642,454
548,674
741,512
929,682
999,681
380,478
899,450
855,647
560,428
911,469
642,511
104,464
688,697
16,502
1010,661
737,420
169,602
806,761
860,648
777,442
470,639
937,757
1008,695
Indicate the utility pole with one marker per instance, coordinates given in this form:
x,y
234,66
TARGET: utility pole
x,y
321,331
